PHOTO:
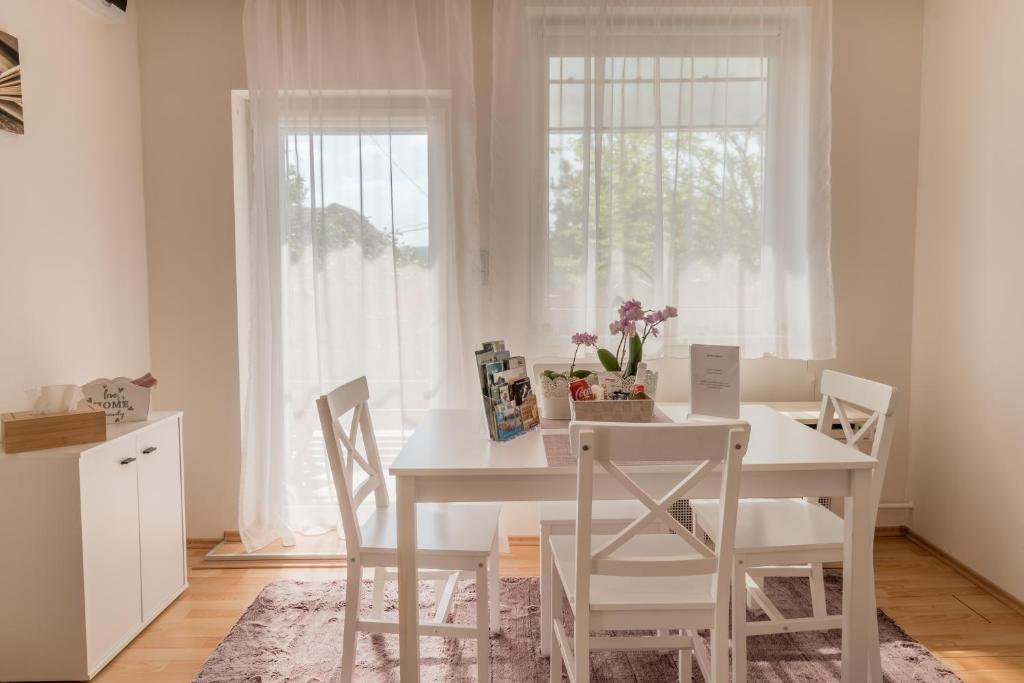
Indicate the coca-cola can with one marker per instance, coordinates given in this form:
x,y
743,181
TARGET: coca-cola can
x,y
579,390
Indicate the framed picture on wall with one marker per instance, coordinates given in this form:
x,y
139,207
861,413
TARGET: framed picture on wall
x,y
12,116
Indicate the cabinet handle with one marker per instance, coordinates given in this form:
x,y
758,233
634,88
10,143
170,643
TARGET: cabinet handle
x,y
127,461
148,450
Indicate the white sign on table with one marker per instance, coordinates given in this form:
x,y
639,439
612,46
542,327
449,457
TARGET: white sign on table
x,y
715,380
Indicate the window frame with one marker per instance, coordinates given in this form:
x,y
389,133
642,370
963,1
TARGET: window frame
x,y
350,112
754,42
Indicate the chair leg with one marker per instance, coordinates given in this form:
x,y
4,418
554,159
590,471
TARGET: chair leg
x,y
581,644
752,604
494,588
874,663
720,639
439,586
348,645
556,596
739,623
818,590
545,591
685,660
380,578
483,634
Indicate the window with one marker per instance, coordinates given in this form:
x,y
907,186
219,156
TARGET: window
x,y
357,288
362,213
656,176
676,153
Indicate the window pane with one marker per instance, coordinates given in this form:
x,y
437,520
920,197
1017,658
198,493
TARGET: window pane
x,y
572,68
356,283
572,106
669,204
566,218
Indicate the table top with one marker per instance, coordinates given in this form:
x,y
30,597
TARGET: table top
x,y
807,411
455,442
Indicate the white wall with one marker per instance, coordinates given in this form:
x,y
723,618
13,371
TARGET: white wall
x,y
191,58
966,427
187,129
73,302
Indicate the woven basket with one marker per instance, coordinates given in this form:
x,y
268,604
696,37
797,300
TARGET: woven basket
x,y
636,410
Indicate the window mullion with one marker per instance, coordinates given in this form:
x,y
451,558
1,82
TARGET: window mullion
x,y
660,252
593,118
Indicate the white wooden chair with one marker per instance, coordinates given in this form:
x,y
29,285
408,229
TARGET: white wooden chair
x,y
558,518
634,581
793,537
454,540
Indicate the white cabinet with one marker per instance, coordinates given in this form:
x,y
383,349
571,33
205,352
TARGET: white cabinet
x,y
161,534
110,546
93,545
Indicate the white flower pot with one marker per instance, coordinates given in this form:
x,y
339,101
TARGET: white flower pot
x,y
554,398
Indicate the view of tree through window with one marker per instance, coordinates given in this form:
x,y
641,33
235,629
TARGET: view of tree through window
x,y
655,177
338,225
357,296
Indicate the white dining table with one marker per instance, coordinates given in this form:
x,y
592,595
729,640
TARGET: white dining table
x,y
449,458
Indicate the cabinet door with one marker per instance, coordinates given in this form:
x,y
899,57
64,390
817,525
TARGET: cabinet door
x,y
161,532
110,547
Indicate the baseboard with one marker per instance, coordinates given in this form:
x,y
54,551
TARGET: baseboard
x,y
518,540
524,540
974,577
880,532
235,537
207,543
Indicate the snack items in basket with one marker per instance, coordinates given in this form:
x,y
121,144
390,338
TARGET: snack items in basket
x,y
638,393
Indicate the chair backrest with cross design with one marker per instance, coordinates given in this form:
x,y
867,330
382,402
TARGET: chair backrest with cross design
x,y
714,449
344,455
840,391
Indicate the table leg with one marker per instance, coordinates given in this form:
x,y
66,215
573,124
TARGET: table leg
x,y
545,591
860,649
408,602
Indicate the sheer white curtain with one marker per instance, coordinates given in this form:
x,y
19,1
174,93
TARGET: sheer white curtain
x,y
363,234
674,151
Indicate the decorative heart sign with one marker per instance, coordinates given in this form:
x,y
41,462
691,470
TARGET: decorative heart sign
x,y
120,398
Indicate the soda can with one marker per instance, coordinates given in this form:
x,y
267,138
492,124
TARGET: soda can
x,y
579,390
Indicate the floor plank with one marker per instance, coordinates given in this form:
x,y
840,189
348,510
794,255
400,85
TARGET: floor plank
x,y
972,632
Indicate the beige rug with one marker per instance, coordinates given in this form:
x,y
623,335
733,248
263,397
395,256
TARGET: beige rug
x,y
292,632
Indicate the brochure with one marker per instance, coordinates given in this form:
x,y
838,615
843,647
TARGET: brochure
x,y
509,402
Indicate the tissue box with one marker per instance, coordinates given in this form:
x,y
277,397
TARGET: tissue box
x,y
34,432
122,400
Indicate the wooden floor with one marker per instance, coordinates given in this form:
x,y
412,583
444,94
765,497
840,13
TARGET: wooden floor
x,y
976,635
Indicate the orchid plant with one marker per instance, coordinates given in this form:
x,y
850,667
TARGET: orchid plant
x,y
633,327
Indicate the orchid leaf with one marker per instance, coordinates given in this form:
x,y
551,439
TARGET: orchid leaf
x,y
636,354
608,360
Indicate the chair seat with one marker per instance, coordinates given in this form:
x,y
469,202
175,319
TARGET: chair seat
x,y
451,528
623,511
633,592
770,524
